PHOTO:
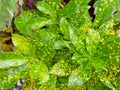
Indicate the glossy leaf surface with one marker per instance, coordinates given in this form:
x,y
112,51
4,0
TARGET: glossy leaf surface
x,y
92,41
39,70
11,60
22,45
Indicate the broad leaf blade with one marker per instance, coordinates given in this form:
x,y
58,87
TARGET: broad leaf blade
x,y
21,23
79,77
22,45
7,10
37,23
61,68
50,84
92,41
9,77
46,9
38,70
11,60
64,28
103,11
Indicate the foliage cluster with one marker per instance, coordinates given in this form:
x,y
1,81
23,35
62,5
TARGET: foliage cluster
x,y
59,47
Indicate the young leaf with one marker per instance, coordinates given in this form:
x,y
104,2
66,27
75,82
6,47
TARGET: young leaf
x,y
38,70
103,11
11,60
79,59
22,45
54,3
50,84
92,40
21,23
37,23
46,9
44,43
77,38
61,68
79,77
64,28
9,77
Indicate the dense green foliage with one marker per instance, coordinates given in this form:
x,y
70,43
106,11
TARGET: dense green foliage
x,y
59,47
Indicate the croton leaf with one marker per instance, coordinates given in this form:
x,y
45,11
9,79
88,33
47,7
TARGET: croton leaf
x,y
38,70
106,81
37,23
26,24
79,77
78,59
9,9
64,28
9,77
21,23
102,14
46,8
92,40
11,60
50,84
54,4
61,68
22,45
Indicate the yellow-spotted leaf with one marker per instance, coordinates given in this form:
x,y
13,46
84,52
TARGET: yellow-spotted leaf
x,y
11,60
92,40
22,45
61,68
38,70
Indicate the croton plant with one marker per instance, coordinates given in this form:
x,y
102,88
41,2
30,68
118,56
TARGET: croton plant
x,y
59,47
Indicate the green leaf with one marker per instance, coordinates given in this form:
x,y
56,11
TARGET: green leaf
x,y
66,11
118,5
50,84
103,11
37,23
94,61
26,24
64,28
77,38
11,60
54,3
79,59
38,70
76,11
109,49
92,40
21,23
61,68
59,44
107,83
9,77
46,8
79,77
22,45
117,17
7,10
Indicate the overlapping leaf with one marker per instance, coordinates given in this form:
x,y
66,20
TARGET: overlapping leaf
x,y
103,11
38,70
79,77
22,45
92,41
50,84
9,77
7,10
46,9
26,24
11,60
